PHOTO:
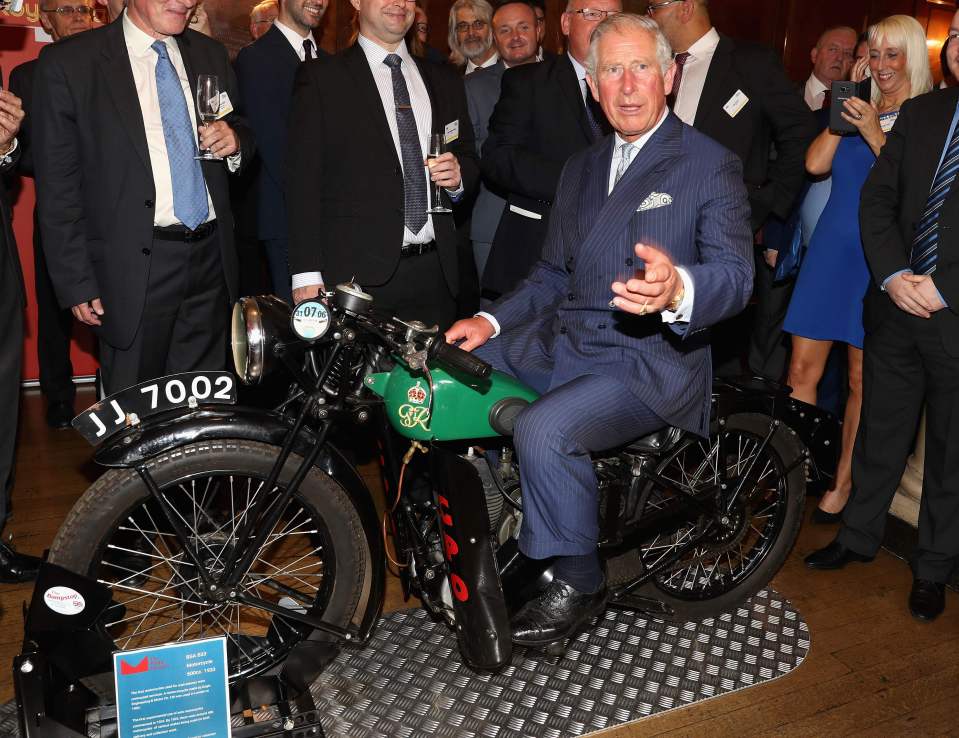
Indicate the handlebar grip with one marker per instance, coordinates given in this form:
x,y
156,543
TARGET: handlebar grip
x,y
455,358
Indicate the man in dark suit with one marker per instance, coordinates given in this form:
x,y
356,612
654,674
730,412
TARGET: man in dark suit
x,y
515,34
265,71
54,324
908,214
14,567
544,115
611,371
357,185
138,234
738,94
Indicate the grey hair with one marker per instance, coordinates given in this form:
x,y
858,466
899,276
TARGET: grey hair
x,y
483,10
623,23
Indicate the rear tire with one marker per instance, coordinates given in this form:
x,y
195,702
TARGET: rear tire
x,y
726,569
317,559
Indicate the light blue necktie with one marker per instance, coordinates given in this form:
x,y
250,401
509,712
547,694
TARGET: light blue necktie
x,y
925,244
189,187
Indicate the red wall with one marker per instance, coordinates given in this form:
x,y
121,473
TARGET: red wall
x,y
17,45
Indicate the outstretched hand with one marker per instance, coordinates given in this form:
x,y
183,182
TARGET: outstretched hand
x,y
651,290
474,331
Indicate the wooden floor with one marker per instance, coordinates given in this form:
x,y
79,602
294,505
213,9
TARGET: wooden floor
x,y
872,669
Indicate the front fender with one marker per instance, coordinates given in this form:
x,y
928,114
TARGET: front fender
x,y
173,430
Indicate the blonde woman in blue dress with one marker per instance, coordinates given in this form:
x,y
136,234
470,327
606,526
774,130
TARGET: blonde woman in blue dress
x,y
826,306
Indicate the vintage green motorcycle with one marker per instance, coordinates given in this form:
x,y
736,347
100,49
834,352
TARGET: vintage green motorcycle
x,y
219,519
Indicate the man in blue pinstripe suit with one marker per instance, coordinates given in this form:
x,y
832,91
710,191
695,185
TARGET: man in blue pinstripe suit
x,y
655,217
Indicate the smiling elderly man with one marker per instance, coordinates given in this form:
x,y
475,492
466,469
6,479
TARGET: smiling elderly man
x,y
138,234
654,216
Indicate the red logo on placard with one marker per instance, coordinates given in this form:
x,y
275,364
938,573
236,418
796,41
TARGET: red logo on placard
x,y
147,663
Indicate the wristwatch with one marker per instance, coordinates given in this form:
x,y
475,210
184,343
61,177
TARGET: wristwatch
x,y
677,300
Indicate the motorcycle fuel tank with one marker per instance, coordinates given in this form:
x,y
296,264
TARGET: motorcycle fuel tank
x,y
455,407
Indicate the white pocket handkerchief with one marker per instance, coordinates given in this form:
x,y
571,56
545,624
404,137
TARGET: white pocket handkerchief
x,y
655,200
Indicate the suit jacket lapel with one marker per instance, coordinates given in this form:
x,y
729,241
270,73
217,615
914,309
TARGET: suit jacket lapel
x,y
932,145
115,66
711,99
593,195
277,40
369,96
186,53
641,178
568,84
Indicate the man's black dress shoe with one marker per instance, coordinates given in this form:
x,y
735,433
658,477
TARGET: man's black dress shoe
x,y
17,567
822,517
834,556
59,414
556,613
927,599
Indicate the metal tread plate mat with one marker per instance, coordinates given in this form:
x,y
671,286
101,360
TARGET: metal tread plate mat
x,y
408,681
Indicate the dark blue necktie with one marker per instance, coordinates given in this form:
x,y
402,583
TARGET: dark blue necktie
x,y
925,244
189,188
414,178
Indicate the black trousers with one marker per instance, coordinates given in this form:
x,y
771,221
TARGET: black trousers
x,y
769,347
11,355
185,317
904,366
417,291
54,329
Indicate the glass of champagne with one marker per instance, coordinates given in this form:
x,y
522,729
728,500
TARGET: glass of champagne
x,y
434,147
208,107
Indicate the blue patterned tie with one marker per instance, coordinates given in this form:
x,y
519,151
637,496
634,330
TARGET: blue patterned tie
x,y
925,244
189,188
414,178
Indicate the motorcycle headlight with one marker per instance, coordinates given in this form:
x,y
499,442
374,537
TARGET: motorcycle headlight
x,y
259,323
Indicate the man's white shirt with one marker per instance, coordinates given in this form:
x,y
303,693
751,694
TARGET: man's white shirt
x,y
694,76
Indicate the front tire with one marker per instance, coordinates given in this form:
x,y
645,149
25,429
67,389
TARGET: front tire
x,y
316,560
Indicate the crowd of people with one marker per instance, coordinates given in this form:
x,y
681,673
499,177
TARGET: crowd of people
x,y
606,205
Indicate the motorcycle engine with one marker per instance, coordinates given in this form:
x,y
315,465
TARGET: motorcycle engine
x,y
504,519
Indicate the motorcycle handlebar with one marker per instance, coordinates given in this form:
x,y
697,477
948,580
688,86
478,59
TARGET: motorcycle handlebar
x,y
455,358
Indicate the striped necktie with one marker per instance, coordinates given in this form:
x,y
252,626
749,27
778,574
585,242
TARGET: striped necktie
x,y
626,152
925,244
414,176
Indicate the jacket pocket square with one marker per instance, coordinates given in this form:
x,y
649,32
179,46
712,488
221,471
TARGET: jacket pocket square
x,y
655,200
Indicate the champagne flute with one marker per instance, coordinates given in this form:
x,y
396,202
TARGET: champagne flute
x,y
434,147
208,107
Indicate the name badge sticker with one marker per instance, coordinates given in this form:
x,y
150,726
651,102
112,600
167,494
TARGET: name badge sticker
x,y
736,103
226,107
452,132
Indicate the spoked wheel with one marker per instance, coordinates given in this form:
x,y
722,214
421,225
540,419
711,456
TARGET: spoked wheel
x,y
722,562
315,561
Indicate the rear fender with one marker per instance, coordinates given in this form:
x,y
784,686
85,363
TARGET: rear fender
x,y
817,429
167,432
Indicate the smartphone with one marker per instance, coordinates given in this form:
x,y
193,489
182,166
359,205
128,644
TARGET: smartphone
x,y
842,91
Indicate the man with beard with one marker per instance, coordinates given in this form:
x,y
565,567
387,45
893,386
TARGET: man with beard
x,y
60,18
470,36
265,70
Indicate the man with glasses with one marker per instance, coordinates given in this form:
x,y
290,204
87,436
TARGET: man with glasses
x,y
738,94
262,16
59,18
545,114
470,35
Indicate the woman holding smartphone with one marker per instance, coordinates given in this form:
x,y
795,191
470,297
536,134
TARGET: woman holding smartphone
x,y
826,306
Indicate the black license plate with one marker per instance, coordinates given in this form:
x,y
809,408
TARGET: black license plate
x,y
130,406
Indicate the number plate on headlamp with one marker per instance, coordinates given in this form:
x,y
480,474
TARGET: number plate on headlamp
x,y
310,320
130,406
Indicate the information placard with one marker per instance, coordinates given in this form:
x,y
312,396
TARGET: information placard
x,y
179,690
